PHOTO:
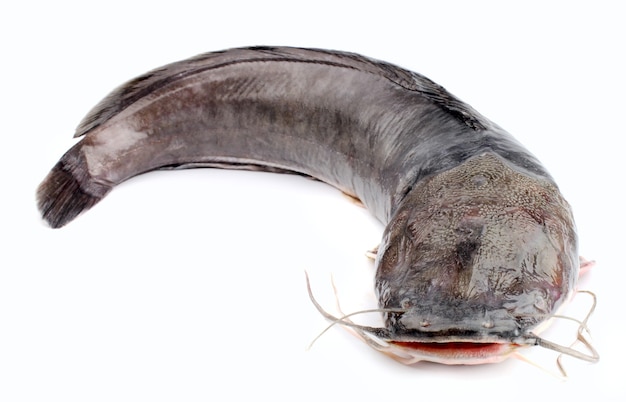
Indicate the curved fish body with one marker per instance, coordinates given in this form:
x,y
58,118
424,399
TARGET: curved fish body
x,y
480,247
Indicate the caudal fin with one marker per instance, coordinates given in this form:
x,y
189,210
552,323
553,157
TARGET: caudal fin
x,y
68,190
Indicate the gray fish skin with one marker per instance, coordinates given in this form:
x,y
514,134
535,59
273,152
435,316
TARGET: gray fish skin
x,y
479,243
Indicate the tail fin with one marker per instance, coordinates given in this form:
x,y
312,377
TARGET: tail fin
x,y
69,189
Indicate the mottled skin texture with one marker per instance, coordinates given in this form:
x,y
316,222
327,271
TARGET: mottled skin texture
x,y
479,245
477,252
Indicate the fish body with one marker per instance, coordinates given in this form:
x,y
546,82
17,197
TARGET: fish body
x,y
479,248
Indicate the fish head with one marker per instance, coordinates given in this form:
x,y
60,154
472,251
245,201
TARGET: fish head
x,y
475,258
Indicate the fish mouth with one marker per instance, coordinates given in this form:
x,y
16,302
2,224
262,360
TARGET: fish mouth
x,y
455,346
451,353
452,336
446,346
450,346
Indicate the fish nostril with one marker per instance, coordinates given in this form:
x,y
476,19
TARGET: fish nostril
x,y
488,324
406,303
425,324
541,305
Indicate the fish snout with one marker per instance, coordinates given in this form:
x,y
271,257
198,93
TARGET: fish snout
x,y
468,323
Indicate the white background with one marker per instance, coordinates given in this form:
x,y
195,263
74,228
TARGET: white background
x,y
189,286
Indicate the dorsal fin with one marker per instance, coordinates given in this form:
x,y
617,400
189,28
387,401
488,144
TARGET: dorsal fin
x,y
130,92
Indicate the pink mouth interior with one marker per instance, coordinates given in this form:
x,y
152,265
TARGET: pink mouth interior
x,y
458,352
